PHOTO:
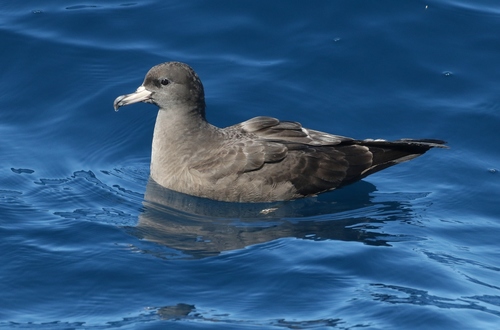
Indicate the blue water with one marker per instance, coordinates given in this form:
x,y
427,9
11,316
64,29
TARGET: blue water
x,y
413,247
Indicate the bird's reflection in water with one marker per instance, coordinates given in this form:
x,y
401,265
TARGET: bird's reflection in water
x,y
199,227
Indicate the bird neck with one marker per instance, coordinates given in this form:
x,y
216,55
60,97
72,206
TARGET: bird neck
x,y
180,128
179,134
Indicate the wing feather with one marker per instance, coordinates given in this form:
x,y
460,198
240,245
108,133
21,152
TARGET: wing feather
x,y
271,154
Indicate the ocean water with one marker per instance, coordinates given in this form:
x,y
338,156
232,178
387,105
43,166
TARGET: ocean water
x,y
88,243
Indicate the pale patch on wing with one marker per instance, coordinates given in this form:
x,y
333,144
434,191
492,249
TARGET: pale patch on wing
x,y
306,132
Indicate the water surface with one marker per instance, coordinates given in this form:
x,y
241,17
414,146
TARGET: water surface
x,y
88,244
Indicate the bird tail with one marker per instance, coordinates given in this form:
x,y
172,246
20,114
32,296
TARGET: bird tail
x,y
389,153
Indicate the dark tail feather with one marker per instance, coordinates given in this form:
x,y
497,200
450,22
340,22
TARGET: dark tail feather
x,y
422,144
389,153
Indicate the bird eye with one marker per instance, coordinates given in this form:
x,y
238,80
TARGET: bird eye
x,y
164,82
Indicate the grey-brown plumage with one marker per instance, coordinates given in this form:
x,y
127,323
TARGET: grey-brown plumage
x,y
262,159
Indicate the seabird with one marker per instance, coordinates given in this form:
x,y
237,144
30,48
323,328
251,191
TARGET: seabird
x,y
262,159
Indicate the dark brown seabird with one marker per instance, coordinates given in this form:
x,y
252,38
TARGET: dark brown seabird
x,y
260,160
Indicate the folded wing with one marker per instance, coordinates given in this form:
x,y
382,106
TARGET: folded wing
x,y
312,161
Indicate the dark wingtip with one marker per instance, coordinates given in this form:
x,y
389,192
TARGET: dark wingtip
x,y
433,143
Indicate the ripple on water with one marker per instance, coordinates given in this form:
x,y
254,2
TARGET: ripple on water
x,y
112,197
